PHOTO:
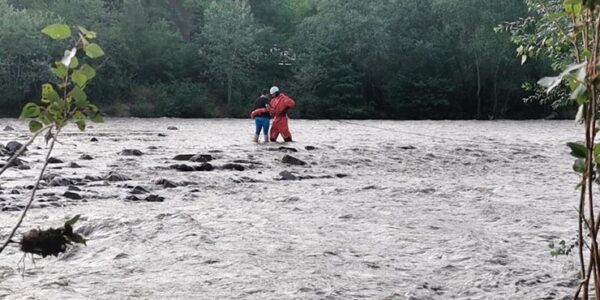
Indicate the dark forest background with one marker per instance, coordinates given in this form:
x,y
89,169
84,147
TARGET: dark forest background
x,y
393,59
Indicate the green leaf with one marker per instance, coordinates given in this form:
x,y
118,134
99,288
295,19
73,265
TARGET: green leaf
x,y
45,118
57,31
55,111
93,108
34,126
79,78
78,116
80,124
93,50
97,118
578,150
72,221
579,165
88,34
76,238
30,110
74,63
49,94
59,71
78,94
88,71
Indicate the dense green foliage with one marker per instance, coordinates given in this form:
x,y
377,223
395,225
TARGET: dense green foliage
x,y
337,58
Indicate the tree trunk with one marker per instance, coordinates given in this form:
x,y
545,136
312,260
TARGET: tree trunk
x,y
495,107
478,116
229,87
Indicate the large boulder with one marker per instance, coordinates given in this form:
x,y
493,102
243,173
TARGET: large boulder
x,y
183,157
235,167
201,158
131,152
60,181
72,195
154,198
138,190
287,175
183,168
205,167
13,147
288,159
166,183
113,177
54,160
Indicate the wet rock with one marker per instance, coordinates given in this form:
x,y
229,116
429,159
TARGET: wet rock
x,y
15,192
132,198
4,151
94,140
162,135
138,190
310,148
15,163
60,181
408,147
23,167
236,167
49,177
284,149
73,188
204,167
166,183
286,175
72,195
201,158
172,128
154,198
152,148
215,151
245,161
183,168
74,165
288,149
85,157
121,255
245,180
131,152
9,128
113,176
93,178
183,157
13,147
54,160
288,159
339,175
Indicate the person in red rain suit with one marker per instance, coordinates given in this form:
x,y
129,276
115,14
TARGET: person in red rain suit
x,y
280,103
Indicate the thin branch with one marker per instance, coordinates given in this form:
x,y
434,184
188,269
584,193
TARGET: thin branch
x,y
35,188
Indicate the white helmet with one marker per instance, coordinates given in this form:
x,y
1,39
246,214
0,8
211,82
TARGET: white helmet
x,y
274,90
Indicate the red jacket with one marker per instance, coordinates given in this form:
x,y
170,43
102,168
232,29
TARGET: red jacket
x,y
280,104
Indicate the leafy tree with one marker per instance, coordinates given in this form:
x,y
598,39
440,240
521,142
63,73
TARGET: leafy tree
x,y
229,38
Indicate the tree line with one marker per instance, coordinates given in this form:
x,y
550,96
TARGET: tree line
x,y
396,59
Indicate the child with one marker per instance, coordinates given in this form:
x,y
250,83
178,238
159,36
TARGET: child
x,y
261,116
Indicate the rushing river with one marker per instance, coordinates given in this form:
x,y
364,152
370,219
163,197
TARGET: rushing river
x,y
383,210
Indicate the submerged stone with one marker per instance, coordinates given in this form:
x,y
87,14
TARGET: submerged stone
x,y
288,159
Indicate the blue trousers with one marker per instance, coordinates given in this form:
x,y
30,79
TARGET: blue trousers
x,y
262,123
